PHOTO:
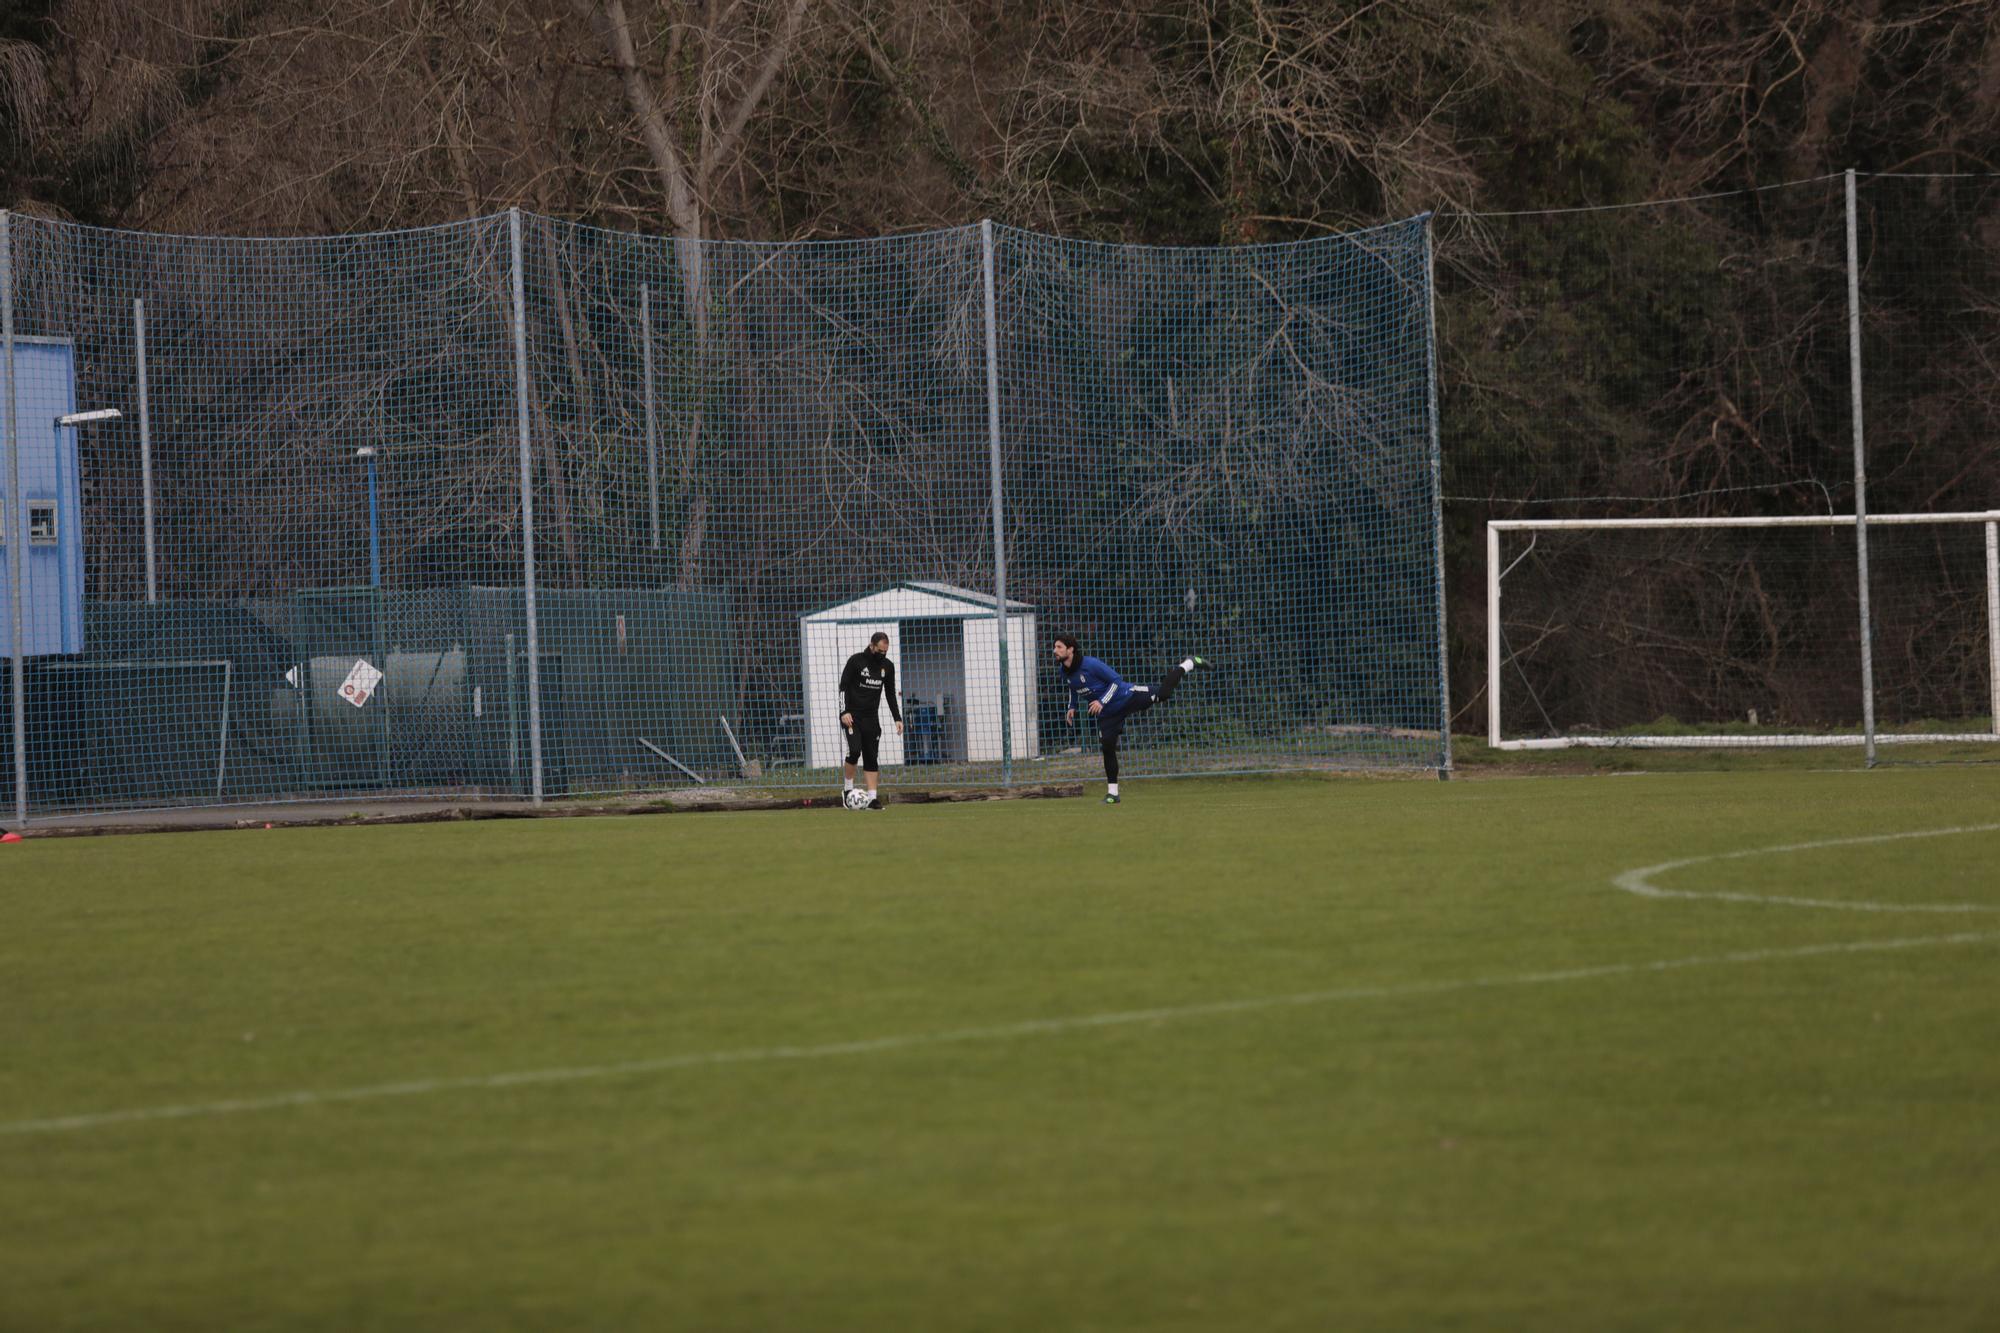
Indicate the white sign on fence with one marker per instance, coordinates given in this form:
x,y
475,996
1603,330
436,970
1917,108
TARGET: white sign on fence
x,y
359,687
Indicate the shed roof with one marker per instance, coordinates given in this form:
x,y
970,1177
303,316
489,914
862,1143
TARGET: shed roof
x,y
915,600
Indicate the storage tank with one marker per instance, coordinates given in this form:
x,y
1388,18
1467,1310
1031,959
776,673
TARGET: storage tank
x,y
410,725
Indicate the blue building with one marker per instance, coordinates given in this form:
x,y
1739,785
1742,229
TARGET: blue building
x,y
47,521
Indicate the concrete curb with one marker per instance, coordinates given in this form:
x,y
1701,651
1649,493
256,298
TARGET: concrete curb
x,y
377,813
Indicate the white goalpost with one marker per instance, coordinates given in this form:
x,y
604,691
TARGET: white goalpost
x,y
1619,626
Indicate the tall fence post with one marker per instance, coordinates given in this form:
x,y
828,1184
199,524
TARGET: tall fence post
x,y
999,528
652,427
1860,469
1993,622
1437,491
145,447
527,508
15,521
1492,636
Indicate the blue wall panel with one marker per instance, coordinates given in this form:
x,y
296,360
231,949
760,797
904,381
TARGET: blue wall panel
x,y
44,388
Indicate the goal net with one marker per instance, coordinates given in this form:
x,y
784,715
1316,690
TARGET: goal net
x,y
156,729
1742,631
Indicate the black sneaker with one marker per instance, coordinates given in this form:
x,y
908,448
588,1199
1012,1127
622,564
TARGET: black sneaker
x,y
1200,663
875,804
1111,800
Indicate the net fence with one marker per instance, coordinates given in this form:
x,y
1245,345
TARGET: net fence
x,y
1696,360
523,508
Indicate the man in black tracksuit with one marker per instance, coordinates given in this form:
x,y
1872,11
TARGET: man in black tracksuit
x,y
868,678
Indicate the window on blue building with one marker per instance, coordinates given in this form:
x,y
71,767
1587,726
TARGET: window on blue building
x,y
41,522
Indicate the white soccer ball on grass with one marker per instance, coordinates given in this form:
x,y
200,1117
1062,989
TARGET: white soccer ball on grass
x,y
857,798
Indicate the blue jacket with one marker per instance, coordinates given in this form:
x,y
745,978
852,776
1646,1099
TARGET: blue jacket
x,y
1091,679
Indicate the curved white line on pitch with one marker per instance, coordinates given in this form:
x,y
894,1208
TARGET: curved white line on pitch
x,y
1640,881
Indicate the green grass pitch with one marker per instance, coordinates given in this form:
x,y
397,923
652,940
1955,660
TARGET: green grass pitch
x,y
1257,1055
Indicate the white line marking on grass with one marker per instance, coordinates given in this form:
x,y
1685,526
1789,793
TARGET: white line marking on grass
x,y
1001,1032
1640,881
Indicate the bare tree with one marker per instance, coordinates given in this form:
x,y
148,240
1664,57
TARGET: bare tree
x,y
718,64
1283,112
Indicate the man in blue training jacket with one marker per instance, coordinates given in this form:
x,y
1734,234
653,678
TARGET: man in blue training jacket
x,y
1110,700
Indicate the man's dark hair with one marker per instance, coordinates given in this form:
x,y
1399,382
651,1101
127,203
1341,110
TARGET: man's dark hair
x,y
877,637
1068,641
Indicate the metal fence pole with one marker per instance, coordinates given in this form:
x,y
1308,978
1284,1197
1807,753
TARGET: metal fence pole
x,y
652,427
145,448
15,520
999,530
527,508
1492,636
1860,469
367,453
1437,492
1993,622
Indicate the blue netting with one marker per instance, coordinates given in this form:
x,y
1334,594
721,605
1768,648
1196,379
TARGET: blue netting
x,y
302,562
1227,452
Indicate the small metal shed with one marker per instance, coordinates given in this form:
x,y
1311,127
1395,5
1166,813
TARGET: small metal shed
x,y
946,647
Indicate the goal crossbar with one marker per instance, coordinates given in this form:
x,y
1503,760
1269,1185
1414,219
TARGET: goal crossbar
x,y
1990,518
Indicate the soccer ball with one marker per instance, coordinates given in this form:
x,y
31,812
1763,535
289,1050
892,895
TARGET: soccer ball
x,y
857,799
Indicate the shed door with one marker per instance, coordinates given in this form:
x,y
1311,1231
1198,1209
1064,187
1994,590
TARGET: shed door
x,y
931,672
